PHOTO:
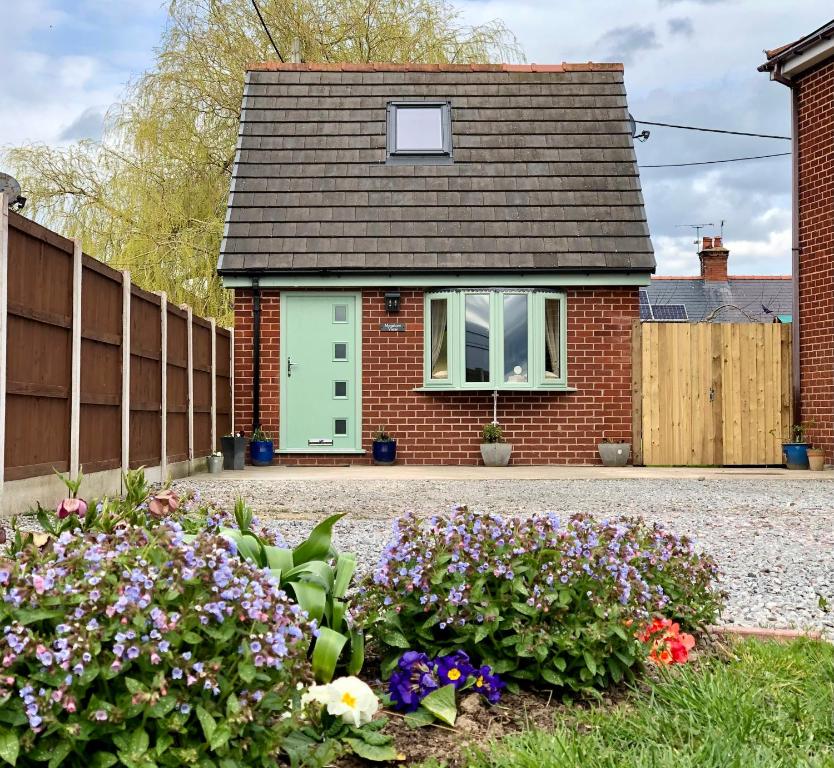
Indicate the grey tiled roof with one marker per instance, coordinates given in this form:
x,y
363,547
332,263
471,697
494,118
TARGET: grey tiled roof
x,y
544,174
738,300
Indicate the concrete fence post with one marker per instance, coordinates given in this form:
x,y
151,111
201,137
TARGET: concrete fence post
x,y
163,358
190,345
213,384
126,294
4,322
75,361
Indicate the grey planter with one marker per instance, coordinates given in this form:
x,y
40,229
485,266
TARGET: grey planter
x,y
234,451
614,454
496,454
215,464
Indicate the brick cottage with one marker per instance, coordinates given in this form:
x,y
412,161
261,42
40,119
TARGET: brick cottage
x,y
412,247
807,68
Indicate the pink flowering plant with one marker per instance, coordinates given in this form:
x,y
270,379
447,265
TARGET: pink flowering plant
x,y
535,598
146,647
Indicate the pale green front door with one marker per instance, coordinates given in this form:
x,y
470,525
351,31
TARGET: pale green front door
x,y
320,373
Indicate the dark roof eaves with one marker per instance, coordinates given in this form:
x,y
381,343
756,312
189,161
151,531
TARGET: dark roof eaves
x,y
778,55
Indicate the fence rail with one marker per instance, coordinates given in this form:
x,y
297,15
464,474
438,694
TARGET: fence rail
x,y
96,373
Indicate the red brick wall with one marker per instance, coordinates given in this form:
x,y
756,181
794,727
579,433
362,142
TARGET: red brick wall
x,y
443,428
816,259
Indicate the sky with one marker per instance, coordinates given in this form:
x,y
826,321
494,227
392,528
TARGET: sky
x,y
691,62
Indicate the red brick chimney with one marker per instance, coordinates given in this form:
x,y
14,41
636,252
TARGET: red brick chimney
x,y
713,258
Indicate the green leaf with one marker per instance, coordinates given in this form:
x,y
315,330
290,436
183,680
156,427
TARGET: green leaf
x,y
345,568
316,572
310,597
559,663
551,677
207,722
278,557
357,652
9,746
192,638
372,752
163,706
394,639
30,616
139,742
59,753
590,662
419,718
246,670
133,685
220,737
326,653
248,547
441,703
317,545
103,760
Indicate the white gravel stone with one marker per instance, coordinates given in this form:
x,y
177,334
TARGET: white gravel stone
x,y
773,539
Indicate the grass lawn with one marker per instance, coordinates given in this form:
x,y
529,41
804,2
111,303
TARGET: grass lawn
x,y
763,706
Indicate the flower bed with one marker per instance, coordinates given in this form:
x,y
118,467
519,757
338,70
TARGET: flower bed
x,y
535,600
142,647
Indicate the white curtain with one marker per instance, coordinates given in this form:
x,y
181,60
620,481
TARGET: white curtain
x,y
438,335
551,336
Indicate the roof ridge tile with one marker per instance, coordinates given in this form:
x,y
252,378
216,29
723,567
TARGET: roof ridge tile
x,y
276,66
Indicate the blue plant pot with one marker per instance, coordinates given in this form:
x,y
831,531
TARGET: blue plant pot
x,y
385,452
261,452
796,455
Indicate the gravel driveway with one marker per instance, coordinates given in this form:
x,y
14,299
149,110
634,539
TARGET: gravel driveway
x,y
774,539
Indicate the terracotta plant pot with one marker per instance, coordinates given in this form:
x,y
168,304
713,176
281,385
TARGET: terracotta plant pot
x,y
816,459
614,454
496,454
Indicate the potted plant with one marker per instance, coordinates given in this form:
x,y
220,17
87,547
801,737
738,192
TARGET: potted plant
x,y
494,450
795,450
385,447
261,449
613,454
816,459
234,450
215,462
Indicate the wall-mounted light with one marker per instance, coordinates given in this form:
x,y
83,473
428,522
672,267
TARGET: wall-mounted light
x,y
392,302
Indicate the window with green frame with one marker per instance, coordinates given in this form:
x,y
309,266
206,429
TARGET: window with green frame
x,y
495,339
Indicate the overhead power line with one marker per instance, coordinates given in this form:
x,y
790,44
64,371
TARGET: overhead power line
x,y
266,29
713,162
714,130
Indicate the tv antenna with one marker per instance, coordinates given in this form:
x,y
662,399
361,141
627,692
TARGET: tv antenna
x,y
698,228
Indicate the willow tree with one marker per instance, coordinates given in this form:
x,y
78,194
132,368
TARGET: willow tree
x,y
151,195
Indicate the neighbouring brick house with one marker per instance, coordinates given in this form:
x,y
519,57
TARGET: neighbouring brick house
x,y
406,241
716,296
807,68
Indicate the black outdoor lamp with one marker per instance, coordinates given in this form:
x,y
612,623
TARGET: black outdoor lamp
x,y
392,302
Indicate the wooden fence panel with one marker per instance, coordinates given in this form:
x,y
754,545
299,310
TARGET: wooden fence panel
x,y
145,379
101,367
224,383
711,394
79,392
177,380
202,387
39,340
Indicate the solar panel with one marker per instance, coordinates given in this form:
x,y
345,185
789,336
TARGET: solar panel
x,y
645,306
670,312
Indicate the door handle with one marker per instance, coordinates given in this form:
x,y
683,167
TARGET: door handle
x,y
289,367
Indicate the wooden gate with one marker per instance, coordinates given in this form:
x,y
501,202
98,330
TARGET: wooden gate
x,y
711,393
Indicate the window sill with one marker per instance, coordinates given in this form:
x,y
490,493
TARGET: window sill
x,y
499,389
